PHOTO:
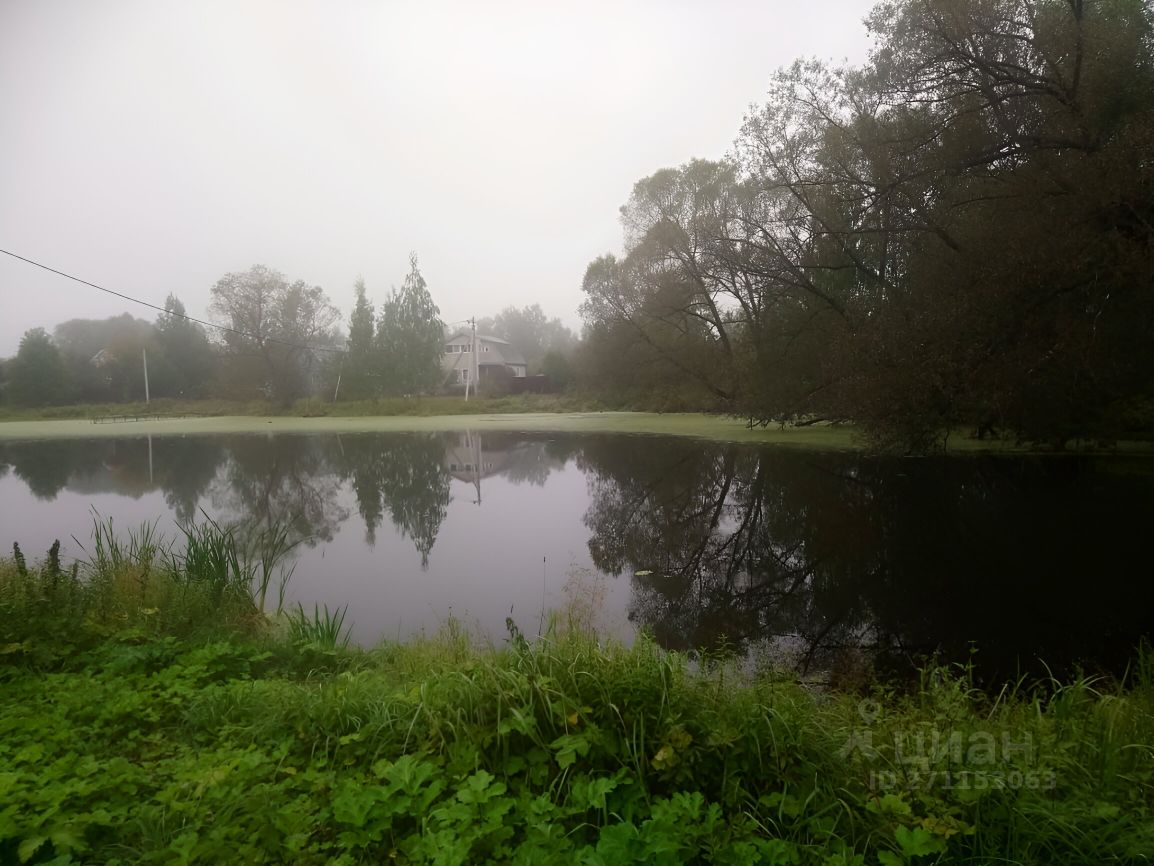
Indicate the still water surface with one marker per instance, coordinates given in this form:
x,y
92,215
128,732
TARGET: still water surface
x,y
811,556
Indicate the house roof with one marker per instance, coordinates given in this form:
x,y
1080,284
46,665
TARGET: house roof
x,y
507,353
488,338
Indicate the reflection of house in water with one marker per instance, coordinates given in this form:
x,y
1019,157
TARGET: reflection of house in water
x,y
120,466
519,459
469,461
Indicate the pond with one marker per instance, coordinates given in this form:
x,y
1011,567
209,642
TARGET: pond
x,y
825,561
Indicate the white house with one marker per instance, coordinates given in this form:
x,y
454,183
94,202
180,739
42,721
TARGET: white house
x,y
496,359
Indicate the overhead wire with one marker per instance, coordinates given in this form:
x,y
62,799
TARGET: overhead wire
x,y
168,312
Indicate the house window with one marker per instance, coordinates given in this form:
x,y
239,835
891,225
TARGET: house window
x,y
466,348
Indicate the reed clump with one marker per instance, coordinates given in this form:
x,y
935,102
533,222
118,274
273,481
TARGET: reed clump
x,y
212,579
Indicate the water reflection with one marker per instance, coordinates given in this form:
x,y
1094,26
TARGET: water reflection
x,y
401,475
730,546
181,467
1020,560
715,545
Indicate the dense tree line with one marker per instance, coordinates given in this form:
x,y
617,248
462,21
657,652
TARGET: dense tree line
x,y
958,232
276,339
103,360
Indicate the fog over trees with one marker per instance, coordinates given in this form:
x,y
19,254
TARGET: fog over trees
x,y
269,339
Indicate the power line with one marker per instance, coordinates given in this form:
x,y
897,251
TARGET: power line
x,y
171,313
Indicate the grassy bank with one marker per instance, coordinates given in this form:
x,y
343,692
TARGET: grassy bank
x,y
530,413
153,713
407,406
704,426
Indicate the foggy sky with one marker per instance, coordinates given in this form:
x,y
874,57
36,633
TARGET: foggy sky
x,y
153,146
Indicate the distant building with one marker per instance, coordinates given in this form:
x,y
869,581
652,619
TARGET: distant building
x,y
497,360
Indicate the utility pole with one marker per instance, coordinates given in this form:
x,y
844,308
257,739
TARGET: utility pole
x,y
469,368
144,355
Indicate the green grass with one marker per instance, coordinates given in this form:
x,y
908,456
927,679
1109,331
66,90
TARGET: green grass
x,y
154,716
161,406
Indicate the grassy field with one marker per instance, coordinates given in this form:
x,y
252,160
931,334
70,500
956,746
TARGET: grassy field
x,y
153,713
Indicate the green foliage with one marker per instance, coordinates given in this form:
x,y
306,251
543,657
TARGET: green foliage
x,y
324,629
388,406
409,338
360,376
136,584
275,328
558,368
129,734
104,357
37,375
150,741
955,233
186,361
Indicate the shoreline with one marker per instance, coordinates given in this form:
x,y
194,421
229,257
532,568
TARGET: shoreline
x,y
697,425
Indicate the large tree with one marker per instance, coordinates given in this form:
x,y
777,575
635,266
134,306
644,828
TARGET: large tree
x,y
186,360
957,232
360,376
276,330
37,375
410,337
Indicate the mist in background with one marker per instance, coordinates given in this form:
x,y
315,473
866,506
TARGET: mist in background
x,y
151,147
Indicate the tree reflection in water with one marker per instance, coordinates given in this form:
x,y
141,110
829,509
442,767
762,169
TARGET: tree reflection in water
x,y
182,467
285,480
402,474
1028,560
